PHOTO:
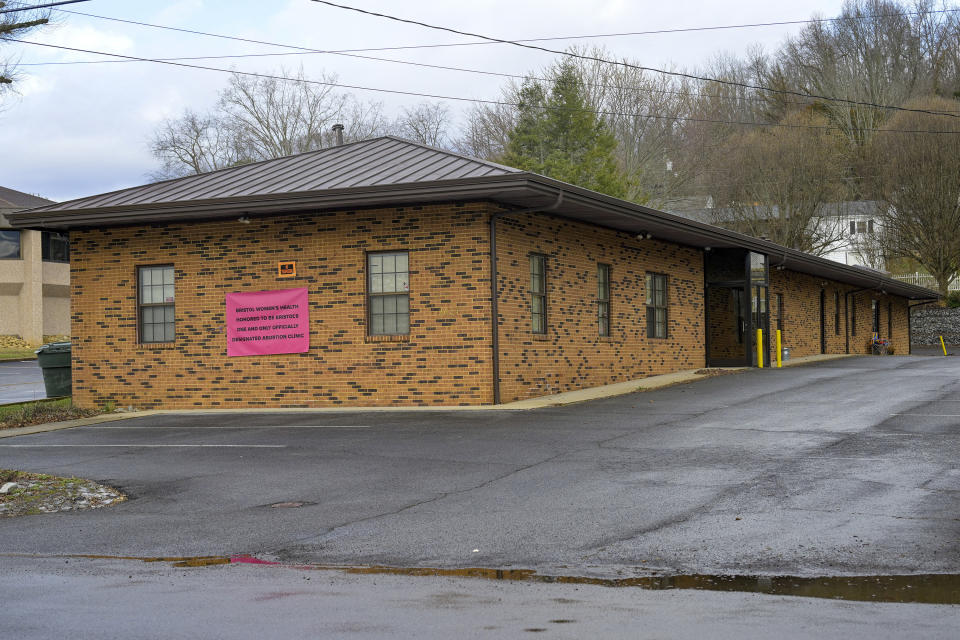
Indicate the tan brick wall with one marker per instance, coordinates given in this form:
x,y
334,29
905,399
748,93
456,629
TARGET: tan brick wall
x,y
448,356
801,323
446,361
723,335
572,355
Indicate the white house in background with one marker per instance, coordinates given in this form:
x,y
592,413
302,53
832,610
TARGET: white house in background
x,y
858,223
855,223
34,275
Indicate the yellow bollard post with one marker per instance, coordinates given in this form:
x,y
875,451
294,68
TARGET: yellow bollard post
x,y
760,348
943,346
779,351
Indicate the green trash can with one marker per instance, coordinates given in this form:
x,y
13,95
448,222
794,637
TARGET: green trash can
x,y
54,360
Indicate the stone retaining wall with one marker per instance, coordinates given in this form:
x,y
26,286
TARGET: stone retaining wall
x,y
929,323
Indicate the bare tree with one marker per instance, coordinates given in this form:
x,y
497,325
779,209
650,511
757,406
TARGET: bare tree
x,y
17,24
919,175
427,123
194,144
777,181
873,247
271,118
488,126
258,118
876,51
643,112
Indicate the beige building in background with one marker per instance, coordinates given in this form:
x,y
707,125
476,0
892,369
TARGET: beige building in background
x,y
34,275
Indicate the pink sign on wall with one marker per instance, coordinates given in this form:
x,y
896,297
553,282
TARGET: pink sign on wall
x,y
266,322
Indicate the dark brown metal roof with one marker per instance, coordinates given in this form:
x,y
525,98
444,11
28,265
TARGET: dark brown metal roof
x,y
12,199
380,161
390,171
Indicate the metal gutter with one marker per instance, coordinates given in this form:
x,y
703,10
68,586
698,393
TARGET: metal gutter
x,y
199,210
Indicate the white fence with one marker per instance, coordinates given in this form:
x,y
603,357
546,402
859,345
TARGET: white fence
x,y
926,280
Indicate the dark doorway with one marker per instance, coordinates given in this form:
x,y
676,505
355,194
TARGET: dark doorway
x,y
737,304
727,326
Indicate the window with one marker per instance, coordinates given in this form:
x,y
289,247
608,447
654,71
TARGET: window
x,y
389,292
156,309
869,226
603,299
875,308
656,305
538,293
836,312
9,244
889,320
779,312
853,316
54,246
853,227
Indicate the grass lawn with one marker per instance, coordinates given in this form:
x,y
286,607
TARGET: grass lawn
x,y
24,414
14,353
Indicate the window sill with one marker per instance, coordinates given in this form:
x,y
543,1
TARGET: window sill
x,y
388,338
608,339
541,337
143,346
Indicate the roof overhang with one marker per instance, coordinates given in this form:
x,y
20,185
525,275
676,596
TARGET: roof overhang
x,y
520,190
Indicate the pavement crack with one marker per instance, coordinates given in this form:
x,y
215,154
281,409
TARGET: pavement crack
x,y
330,531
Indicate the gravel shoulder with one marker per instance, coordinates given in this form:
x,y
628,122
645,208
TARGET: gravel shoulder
x,y
23,494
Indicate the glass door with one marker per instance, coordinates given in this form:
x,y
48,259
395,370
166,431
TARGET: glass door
x,y
727,326
760,308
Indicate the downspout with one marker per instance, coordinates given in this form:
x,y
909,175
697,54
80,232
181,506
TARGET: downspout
x,y
494,293
846,310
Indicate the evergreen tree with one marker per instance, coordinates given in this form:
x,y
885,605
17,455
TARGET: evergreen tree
x,y
557,135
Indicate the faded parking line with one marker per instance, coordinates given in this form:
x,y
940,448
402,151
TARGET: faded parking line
x,y
148,446
266,426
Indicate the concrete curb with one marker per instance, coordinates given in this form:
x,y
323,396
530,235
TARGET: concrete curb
x,y
69,424
796,362
617,389
556,400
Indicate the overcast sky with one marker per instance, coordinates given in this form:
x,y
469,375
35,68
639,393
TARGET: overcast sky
x,y
81,129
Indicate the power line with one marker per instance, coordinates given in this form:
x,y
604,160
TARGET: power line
x,y
409,63
459,98
551,38
355,53
634,66
41,6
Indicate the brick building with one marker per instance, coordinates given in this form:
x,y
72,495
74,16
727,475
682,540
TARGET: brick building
x,y
404,253
34,275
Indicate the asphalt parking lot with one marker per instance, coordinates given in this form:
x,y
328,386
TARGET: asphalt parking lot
x,y
848,467
21,381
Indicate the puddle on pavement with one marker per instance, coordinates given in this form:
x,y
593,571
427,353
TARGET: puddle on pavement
x,y
176,561
931,588
928,588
